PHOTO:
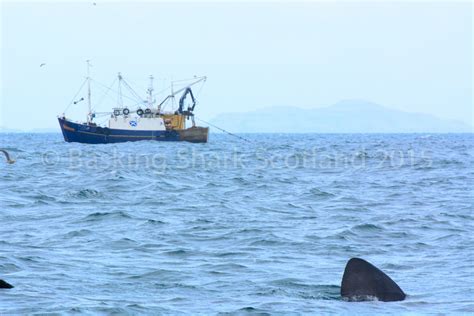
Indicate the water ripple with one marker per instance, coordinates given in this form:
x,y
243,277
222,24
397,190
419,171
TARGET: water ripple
x,y
105,233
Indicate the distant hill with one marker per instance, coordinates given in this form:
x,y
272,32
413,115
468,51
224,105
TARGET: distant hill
x,y
350,116
9,130
35,130
45,130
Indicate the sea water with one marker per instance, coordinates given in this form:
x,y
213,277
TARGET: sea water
x,y
258,226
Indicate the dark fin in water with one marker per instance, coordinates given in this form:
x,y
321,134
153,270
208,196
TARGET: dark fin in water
x,y
5,285
7,156
362,281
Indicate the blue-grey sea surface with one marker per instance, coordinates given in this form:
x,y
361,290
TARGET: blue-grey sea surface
x,y
264,226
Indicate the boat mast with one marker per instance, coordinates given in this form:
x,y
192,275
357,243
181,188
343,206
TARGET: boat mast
x,y
150,93
172,93
89,115
119,91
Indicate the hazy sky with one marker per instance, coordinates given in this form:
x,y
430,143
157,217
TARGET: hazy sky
x,y
415,57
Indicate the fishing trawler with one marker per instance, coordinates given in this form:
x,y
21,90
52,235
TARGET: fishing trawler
x,y
142,121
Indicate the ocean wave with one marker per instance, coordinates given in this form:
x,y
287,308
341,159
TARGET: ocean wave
x,y
84,194
99,216
131,239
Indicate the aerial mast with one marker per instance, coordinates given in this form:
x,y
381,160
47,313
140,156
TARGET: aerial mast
x,y
119,91
89,115
172,94
150,92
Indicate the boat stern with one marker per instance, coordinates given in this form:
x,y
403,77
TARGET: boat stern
x,y
195,134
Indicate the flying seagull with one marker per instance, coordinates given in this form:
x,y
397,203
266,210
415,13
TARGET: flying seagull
x,y
43,64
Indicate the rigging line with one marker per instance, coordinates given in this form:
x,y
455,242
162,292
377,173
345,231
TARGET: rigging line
x,y
189,79
104,86
131,83
80,89
102,114
106,93
131,90
199,91
160,92
223,130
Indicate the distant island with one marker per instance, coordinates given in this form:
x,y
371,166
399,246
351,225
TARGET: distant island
x,y
349,116
34,130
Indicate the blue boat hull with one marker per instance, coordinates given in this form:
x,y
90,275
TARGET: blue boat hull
x,y
91,134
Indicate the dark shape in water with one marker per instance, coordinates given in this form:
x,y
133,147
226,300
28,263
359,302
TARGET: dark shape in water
x,y
7,155
5,285
363,281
